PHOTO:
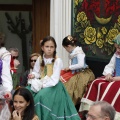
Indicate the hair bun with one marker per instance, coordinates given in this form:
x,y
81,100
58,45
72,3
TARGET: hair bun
x,y
69,37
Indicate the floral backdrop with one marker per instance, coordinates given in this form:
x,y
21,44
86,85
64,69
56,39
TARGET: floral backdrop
x,y
96,24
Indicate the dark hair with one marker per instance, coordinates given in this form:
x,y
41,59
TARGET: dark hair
x,y
48,38
26,94
2,38
69,40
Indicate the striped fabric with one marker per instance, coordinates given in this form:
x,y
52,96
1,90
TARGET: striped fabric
x,y
102,90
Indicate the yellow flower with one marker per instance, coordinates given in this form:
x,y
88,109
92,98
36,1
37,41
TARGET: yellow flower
x,y
104,30
111,35
81,17
99,43
76,2
90,35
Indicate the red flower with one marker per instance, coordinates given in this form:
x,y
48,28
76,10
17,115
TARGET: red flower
x,y
101,8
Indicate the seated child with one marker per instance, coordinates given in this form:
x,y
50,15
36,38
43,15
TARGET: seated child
x,y
52,101
77,75
106,88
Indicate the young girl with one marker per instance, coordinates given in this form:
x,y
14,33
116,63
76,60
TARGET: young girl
x,y
23,105
106,88
77,75
52,102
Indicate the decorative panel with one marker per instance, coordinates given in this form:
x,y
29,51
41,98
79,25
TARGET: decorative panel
x,y
96,23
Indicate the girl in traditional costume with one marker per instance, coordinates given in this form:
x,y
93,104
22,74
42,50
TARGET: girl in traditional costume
x,y
77,75
107,87
52,102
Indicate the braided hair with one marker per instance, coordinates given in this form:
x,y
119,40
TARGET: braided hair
x,y
48,38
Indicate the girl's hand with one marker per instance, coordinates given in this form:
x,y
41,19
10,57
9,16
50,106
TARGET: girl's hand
x,y
31,76
16,115
67,69
109,77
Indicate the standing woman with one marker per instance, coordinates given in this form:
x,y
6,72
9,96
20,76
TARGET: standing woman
x,y
23,105
32,60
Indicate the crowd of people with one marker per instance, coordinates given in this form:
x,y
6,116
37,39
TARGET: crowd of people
x,y
48,91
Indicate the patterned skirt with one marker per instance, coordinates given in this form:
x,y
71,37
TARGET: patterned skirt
x,y
54,103
77,84
102,90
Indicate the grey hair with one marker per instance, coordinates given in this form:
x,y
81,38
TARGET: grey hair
x,y
106,109
13,49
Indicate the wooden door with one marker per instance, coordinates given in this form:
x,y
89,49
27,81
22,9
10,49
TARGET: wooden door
x,y
41,21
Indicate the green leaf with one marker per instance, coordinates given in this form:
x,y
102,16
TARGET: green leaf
x,y
81,35
115,25
78,29
76,23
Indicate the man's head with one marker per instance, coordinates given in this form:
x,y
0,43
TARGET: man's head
x,y
14,52
101,110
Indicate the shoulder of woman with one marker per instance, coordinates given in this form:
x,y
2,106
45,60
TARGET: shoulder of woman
x,y
35,117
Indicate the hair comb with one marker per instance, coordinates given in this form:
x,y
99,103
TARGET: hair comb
x,y
69,37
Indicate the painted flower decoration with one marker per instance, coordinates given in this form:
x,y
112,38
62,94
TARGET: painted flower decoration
x,y
81,17
96,39
89,35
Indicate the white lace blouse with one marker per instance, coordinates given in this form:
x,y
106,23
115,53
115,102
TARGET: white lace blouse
x,y
54,78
